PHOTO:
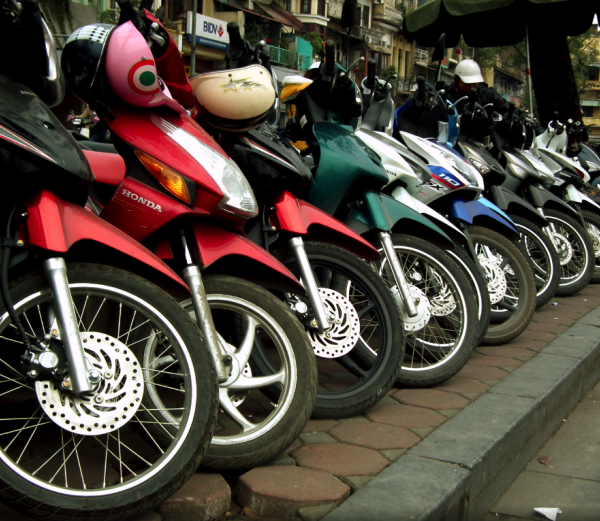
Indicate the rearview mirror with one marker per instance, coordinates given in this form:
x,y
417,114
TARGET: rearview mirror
x,y
349,14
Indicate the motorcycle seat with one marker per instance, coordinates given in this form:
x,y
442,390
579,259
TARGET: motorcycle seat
x,y
108,169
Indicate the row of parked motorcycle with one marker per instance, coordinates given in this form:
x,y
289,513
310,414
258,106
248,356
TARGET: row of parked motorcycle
x,y
195,291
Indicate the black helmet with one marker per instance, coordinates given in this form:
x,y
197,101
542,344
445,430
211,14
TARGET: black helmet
x,y
81,58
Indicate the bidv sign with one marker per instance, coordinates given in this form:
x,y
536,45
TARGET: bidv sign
x,y
209,31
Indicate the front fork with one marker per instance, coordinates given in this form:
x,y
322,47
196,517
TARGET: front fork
x,y
398,273
193,278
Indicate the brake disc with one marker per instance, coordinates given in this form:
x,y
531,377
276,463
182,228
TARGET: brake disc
x,y
118,394
564,248
341,338
495,277
595,235
443,303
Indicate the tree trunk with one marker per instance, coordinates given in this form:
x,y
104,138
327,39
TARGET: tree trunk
x,y
553,79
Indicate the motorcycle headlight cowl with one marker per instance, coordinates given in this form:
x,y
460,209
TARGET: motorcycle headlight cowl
x,y
465,169
477,161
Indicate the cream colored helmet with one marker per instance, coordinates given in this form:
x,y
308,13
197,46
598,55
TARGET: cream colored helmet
x,y
235,100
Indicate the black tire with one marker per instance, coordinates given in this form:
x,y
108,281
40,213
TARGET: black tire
x,y
284,408
575,245
479,287
352,383
152,317
543,256
519,285
592,222
441,338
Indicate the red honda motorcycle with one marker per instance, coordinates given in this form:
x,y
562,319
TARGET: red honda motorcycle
x,y
94,358
346,302
173,189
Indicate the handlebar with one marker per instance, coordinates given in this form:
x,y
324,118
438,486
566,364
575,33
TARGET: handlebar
x,y
472,99
329,57
371,64
421,87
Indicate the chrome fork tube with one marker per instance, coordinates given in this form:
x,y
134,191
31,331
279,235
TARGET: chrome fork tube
x,y
548,230
398,273
193,278
309,282
55,270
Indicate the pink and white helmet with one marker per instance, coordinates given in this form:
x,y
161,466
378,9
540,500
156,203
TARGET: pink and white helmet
x,y
131,71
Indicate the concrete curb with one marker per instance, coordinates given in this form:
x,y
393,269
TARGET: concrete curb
x,y
461,469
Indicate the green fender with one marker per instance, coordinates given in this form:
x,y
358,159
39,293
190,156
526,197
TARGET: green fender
x,y
385,213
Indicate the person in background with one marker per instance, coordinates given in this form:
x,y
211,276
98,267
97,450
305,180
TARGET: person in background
x,y
88,114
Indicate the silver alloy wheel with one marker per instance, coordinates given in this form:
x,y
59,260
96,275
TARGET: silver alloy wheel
x,y
434,344
539,259
254,322
595,235
90,465
571,249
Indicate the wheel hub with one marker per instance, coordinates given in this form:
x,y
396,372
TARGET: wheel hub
x,y
422,304
564,248
595,235
341,338
496,279
117,396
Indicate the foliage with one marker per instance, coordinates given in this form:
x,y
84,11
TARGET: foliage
x,y
584,51
58,15
486,56
401,6
388,72
257,30
316,40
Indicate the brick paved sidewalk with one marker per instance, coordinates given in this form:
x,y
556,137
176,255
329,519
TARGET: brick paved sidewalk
x,y
334,458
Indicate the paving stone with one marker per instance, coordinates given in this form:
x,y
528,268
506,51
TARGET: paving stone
x,y
482,373
404,416
295,445
281,491
393,454
494,361
448,413
543,336
356,482
387,400
314,513
534,345
316,437
353,419
340,459
491,383
462,386
431,399
545,327
374,435
423,431
281,461
507,351
203,497
319,425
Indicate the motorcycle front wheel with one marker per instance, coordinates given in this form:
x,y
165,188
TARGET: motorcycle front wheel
x,y
109,455
263,408
510,282
592,224
359,358
442,336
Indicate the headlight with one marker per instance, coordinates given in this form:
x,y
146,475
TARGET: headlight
x,y
238,197
476,160
458,163
517,167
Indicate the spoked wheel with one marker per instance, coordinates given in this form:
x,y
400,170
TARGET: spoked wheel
x,y
592,224
359,358
263,408
510,282
575,251
543,257
112,454
441,338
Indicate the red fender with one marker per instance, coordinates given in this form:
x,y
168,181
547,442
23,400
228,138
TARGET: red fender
x,y
233,254
301,218
56,225
108,168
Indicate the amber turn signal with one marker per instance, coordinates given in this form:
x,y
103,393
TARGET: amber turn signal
x,y
169,179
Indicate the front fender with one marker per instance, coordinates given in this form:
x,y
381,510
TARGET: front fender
x,y
301,218
56,225
588,203
516,205
475,212
228,253
384,213
540,197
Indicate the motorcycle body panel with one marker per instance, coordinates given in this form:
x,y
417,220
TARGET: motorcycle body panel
x,y
478,213
300,218
587,203
56,225
344,158
385,213
108,169
511,203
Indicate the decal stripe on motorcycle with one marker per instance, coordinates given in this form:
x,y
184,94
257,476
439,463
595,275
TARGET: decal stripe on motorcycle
x,y
264,150
18,140
445,177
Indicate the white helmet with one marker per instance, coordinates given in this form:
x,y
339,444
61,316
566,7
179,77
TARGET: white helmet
x,y
469,72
